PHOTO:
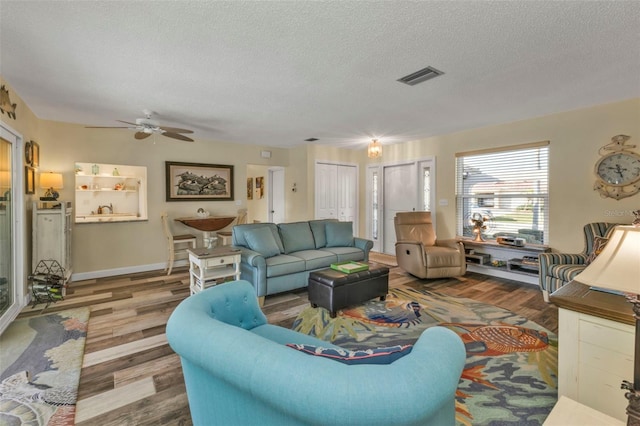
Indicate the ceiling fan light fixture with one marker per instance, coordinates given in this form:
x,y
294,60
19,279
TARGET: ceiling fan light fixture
x,y
374,150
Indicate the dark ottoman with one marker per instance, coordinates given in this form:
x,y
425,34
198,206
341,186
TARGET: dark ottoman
x,y
334,290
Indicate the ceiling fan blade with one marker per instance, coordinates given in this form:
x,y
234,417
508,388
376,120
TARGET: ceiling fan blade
x,y
177,136
105,127
127,122
175,130
142,135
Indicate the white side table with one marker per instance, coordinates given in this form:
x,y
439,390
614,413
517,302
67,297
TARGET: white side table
x,y
208,266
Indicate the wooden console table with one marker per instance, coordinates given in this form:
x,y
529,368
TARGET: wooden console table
x,y
596,334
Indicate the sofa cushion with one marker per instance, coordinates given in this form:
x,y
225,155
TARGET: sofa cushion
x,y
318,230
296,236
345,253
316,259
284,265
238,232
339,234
262,241
361,356
564,272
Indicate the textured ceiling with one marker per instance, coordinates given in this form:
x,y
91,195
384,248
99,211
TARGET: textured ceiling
x,y
275,73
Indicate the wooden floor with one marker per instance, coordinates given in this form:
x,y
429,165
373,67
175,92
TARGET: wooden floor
x,y
130,375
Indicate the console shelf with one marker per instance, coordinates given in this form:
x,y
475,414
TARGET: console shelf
x,y
481,255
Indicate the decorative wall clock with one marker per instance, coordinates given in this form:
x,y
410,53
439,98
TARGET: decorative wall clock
x,y
618,171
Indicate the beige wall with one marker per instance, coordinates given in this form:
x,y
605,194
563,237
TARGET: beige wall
x,y
575,137
26,124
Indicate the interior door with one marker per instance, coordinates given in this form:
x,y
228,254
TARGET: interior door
x,y
276,196
400,194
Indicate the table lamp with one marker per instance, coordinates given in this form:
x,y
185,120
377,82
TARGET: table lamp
x,y
617,268
51,181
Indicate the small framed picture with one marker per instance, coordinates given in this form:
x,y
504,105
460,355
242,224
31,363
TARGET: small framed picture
x,y
30,180
28,153
36,154
249,188
260,187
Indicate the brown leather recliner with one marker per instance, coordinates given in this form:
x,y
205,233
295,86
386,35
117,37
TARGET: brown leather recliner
x,y
420,253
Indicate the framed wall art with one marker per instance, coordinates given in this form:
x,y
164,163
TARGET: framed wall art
x,y
198,182
35,162
28,153
30,180
260,187
249,188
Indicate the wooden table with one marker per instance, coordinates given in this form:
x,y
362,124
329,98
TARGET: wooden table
x,y
207,266
208,226
596,333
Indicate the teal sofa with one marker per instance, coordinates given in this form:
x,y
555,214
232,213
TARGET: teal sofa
x,y
239,371
278,258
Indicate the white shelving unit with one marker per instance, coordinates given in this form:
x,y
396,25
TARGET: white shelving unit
x,y
110,193
484,253
52,235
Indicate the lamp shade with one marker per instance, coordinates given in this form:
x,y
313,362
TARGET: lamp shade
x,y
51,180
617,267
374,150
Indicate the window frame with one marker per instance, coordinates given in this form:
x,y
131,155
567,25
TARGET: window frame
x,y
486,201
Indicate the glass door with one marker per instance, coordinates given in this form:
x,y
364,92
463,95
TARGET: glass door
x,y
12,232
7,296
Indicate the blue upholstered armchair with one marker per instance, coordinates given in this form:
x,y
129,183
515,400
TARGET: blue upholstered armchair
x,y
557,269
239,371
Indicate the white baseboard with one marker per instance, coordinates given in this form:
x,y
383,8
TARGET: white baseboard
x,y
126,270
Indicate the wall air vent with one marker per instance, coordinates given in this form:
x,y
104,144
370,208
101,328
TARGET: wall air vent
x,y
420,76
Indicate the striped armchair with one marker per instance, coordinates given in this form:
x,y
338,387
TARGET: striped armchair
x,y
557,269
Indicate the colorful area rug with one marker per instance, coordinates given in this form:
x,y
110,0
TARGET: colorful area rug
x,y
40,365
510,376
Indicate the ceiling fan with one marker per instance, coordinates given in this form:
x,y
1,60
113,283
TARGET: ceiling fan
x,y
145,127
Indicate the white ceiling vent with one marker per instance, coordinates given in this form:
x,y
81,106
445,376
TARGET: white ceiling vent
x,y
420,76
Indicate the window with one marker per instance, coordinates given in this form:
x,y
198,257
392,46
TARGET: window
x,y
426,189
509,186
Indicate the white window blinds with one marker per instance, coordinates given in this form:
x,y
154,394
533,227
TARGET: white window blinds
x,y
510,186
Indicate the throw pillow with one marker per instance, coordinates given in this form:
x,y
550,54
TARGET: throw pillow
x,y
598,246
296,236
262,240
319,235
339,234
361,356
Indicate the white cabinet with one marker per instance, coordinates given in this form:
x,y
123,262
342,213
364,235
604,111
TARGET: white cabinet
x,y
596,347
110,193
52,235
